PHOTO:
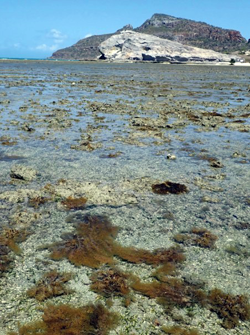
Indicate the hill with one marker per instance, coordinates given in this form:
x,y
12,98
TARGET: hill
x,y
189,32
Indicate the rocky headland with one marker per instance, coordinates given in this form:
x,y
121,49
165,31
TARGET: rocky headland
x,y
188,32
133,46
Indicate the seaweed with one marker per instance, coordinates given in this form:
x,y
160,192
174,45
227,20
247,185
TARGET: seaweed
x,y
37,201
176,330
172,292
92,245
110,282
158,256
169,187
200,237
51,285
5,260
74,203
111,155
206,157
10,237
229,308
164,271
67,320
8,142
242,225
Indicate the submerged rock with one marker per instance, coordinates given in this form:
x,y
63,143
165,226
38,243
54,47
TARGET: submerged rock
x,y
129,45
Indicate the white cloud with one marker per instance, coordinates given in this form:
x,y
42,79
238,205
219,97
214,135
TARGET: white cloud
x,y
16,45
88,35
56,35
45,47
53,40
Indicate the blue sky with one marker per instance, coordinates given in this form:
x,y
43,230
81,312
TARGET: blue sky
x,y
36,28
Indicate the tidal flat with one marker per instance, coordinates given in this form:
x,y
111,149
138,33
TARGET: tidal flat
x,y
89,139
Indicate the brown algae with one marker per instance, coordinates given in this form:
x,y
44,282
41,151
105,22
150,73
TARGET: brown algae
x,y
50,285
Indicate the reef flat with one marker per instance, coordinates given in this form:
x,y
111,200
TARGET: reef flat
x,y
124,193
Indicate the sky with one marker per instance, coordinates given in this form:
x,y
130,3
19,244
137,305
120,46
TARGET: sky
x,y
37,28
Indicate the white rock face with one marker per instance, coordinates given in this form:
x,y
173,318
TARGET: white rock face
x,y
129,45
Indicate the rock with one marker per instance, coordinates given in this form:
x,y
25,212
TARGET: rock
x,y
171,157
209,199
132,46
216,164
23,172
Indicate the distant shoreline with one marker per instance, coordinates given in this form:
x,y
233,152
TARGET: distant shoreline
x,y
118,62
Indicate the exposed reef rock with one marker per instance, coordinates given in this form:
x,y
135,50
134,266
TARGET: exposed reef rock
x,y
131,46
23,172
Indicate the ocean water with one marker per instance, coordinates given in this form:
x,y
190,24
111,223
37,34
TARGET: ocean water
x,y
108,132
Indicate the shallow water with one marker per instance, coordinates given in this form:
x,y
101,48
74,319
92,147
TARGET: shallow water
x,y
65,119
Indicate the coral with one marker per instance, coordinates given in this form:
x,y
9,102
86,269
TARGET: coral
x,y
92,245
110,282
51,285
74,203
228,307
10,237
67,320
169,187
176,330
200,237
